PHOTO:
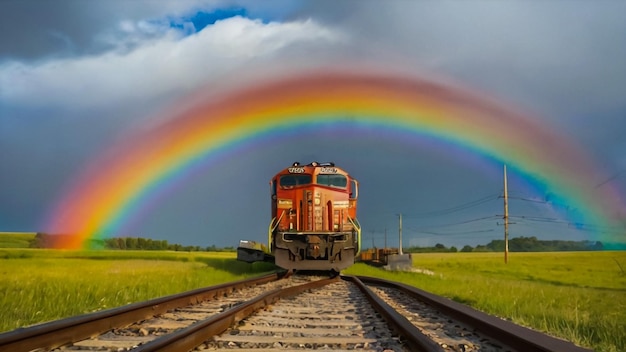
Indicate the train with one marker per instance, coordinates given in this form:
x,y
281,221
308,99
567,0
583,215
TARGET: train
x,y
314,223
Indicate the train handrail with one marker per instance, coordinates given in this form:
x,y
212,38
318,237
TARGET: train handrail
x,y
357,225
271,229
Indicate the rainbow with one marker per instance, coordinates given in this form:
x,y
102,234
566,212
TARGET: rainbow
x,y
116,184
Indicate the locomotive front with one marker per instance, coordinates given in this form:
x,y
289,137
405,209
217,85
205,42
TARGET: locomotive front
x,y
314,224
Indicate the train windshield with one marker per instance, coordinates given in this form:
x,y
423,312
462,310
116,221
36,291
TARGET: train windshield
x,y
294,180
339,181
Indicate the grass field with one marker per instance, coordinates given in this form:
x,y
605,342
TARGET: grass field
x,y
16,239
40,285
578,296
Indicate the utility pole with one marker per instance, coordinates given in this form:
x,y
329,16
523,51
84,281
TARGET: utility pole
x,y
506,220
400,234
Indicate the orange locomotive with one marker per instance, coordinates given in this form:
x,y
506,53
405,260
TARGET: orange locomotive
x,y
314,224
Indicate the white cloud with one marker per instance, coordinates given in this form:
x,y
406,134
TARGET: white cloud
x,y
156,66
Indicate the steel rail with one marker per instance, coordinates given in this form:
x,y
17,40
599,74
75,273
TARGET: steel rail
x,y
56,333
413,337
194,335
513,335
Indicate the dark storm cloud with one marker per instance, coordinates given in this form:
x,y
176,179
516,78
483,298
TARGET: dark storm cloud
x,y
557,51
560,60
42,150
38,29
395,176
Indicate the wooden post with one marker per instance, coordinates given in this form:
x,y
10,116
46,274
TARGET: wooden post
x,y
506,220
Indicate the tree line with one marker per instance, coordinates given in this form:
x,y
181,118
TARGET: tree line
x,y
43,240
518,244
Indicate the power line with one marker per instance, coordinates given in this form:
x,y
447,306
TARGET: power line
x,y
529,200
577,226
458,237
457,223
539,218
454,209
616,175
456,233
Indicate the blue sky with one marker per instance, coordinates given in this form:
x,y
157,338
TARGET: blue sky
x,y
196,22
75,76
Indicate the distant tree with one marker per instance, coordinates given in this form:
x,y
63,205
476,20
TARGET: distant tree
x,y
467,248
453,249
176,247
110,243
493,246
482,248
131,243
40,241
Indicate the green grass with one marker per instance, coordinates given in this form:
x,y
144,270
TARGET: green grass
x,y
578,296
16,239
42,285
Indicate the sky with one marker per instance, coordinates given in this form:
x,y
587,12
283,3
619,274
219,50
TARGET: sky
x,y
77,76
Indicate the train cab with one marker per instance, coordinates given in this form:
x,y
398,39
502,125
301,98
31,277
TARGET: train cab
x,y
314,224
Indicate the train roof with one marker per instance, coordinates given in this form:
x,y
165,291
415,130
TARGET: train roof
x,y
313,168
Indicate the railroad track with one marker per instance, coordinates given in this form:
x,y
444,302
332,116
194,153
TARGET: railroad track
x,y
277,312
